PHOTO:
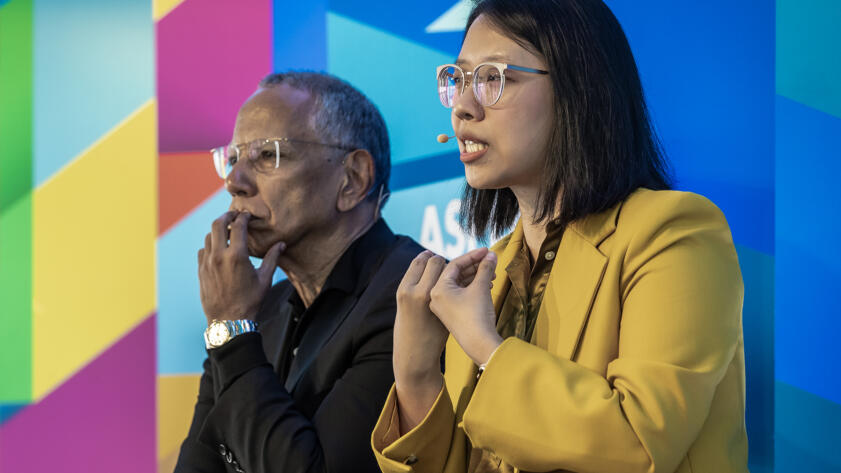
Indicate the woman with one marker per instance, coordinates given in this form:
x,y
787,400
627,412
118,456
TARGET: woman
x,y
604,333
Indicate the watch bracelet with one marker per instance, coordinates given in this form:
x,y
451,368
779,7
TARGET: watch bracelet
x,y
235,327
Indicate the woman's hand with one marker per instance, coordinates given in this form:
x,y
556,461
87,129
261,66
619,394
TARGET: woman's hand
x,y
461,299
419,339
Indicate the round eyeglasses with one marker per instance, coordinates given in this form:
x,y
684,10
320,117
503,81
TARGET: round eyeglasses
x,y
264,155
488,81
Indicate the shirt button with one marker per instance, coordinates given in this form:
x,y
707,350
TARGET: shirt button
x,y
222,449
550,255
228,457
410,460
295,351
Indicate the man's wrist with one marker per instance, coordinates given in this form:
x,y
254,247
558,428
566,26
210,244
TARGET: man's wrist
x,y
220,332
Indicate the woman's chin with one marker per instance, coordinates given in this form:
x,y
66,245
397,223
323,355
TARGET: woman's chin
x,y
478,181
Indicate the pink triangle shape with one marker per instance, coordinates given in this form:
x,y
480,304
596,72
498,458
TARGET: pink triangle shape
x,y
102,419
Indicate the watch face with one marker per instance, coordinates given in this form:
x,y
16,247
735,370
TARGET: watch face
x,y
218,334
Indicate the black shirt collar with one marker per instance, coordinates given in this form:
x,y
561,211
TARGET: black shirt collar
x,y
356,266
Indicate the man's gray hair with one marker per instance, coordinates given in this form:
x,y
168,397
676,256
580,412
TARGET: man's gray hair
x,y
344,116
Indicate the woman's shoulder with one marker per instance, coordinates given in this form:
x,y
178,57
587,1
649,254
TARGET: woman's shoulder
x,y
649,219
649,209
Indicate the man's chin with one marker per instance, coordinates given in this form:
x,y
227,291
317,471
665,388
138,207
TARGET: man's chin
x,y
258,250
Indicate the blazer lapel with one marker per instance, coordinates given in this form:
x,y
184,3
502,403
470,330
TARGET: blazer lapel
x,y
573,283
316,336
505,254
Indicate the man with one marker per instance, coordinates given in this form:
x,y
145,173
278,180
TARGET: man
x,y
297,373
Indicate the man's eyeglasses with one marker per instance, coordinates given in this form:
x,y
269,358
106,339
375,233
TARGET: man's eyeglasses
x,y
264,155
488,81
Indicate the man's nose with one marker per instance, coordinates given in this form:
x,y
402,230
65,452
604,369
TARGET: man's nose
x,y
240,181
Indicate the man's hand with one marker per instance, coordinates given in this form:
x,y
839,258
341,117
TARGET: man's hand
x,y
461,299
231,288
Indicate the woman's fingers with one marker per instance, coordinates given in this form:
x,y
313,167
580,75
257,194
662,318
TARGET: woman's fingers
x,y
416,269
486,272
434,266
462,265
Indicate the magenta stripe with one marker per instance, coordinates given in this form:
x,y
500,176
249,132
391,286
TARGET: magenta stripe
x,y
211,55
100,420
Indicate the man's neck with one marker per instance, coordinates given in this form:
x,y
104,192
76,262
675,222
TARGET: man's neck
x,y
310,262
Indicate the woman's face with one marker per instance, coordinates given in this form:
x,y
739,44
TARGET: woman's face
x,y
509,138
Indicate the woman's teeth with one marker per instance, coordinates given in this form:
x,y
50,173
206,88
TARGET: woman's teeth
x,y
472,146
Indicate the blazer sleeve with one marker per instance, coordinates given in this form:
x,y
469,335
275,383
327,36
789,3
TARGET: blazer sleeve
x,y
196,457
427,448
256,419
681,298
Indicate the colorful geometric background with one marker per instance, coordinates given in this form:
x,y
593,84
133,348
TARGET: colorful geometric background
x,y
106,191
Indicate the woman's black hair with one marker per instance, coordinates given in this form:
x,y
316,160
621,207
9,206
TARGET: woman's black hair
x,y
603,145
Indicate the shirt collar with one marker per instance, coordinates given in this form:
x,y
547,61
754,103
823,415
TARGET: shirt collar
x,y
357,264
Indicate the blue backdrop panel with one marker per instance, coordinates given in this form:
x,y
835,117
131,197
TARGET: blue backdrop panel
x,y
758,326
181,320
808,65
406,20
808,432
708,71
300,35
399,77
85,79
429,215
808,274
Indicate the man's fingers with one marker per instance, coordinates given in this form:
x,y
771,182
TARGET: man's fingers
x,y
239,232
415,271
432,272
219,231
267,267
207,243
201,257
485,273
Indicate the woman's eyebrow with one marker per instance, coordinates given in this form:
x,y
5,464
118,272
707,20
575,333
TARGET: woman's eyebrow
x,y
492,58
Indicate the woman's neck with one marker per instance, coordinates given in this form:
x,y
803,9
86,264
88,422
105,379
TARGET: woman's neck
x,y
533,233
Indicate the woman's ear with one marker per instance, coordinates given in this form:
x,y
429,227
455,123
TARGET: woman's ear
x,y
359,175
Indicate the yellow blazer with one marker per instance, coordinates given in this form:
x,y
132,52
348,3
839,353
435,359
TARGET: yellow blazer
x,y
636,363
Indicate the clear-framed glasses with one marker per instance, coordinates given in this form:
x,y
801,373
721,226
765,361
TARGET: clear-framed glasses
x,y
488,81
264,155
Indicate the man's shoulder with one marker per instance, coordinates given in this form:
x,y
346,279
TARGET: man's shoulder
x,y
406,247
399,255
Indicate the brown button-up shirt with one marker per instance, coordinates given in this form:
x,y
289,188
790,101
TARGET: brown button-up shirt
x,y
518,315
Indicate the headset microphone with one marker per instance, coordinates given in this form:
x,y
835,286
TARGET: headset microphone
x,y
443,138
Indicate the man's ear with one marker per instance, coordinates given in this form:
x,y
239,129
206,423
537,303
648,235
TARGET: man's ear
x,y
359,174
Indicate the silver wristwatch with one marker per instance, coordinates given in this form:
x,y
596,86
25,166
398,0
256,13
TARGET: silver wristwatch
x,y
220,332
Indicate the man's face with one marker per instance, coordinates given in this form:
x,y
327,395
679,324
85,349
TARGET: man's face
x,y
299,197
